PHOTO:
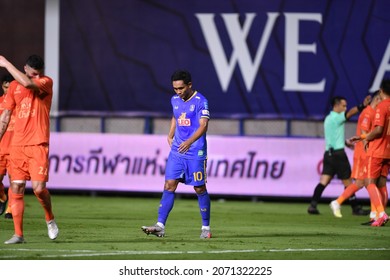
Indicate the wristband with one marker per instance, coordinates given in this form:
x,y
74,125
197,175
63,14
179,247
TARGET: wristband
x,y
361,107
363,136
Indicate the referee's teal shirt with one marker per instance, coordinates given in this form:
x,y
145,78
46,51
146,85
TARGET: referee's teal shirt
x,y
334,130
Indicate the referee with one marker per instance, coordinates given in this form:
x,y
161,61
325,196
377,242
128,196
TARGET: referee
x,y
335,161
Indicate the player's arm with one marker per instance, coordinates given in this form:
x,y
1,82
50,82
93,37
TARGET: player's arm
x,y
4,121
374,134
44,86
18,75
357,109
171,132
365,143
202,129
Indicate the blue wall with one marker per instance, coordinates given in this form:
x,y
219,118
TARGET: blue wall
x,y
250,58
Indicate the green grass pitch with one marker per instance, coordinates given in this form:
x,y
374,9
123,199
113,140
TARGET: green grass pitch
x,y
108,228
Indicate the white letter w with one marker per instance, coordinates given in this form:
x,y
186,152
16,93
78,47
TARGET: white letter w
x,y
240,52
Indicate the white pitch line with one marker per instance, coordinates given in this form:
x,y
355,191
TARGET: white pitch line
x,y
92,253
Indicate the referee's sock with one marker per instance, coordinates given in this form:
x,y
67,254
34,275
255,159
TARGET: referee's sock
x,y
317,195
354,203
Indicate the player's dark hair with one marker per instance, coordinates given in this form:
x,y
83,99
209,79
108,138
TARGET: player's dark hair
x,y
35,61
374,94
385,86
336,100
181,75
7,78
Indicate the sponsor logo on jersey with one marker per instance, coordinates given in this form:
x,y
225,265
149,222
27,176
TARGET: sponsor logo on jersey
x,y
183,121
18,89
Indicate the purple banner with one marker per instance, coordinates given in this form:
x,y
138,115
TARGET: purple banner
x,y
236,165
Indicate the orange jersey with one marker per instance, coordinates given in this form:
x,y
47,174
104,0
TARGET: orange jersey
x,y
364,123
368,115
8,134
32,120
380,147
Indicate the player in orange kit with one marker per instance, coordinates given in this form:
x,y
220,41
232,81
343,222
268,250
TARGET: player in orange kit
x,y
30,95
364,125
4,150
378,156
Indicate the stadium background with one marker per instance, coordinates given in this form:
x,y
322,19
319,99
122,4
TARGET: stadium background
x,y
111,62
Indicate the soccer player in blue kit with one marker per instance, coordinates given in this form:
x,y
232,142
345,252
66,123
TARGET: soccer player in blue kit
x,y
188,156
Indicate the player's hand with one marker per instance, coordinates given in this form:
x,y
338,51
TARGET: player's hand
x,y
354,139
170,140
3,61
350,144
367,100
184,147
365,145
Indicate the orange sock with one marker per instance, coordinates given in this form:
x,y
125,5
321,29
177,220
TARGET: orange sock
x,y
348,192
17,212
45,200
9,201
373,211
3,197
375,197
384,195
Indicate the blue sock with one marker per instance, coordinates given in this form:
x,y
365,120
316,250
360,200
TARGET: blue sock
x,y
166,205
205,207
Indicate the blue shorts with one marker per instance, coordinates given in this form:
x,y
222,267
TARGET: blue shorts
x,y
188,171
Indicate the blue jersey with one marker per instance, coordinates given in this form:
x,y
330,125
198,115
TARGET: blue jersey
x,y
187,115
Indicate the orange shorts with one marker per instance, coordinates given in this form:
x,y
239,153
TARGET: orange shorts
x,y
30,163
4,164
358,168
377,167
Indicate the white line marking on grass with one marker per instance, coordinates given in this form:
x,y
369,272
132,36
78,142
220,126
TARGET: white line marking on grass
x,y
93,253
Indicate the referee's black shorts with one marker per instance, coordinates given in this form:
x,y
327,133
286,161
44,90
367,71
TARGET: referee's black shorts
x,y
336,163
